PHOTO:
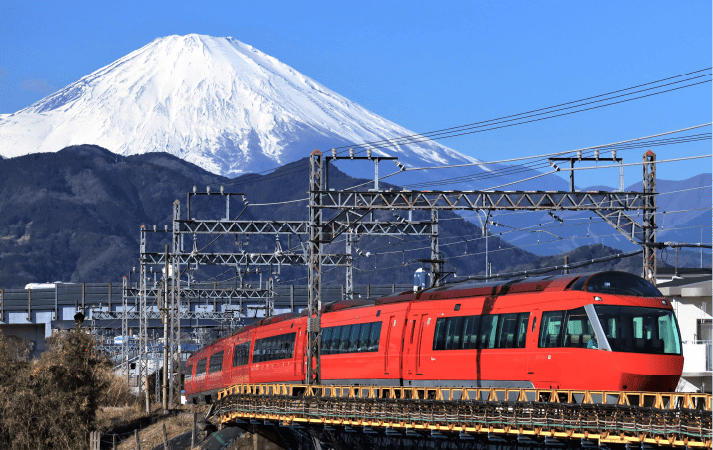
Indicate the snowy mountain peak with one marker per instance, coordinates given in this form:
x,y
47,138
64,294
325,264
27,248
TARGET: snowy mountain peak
x,y
213,101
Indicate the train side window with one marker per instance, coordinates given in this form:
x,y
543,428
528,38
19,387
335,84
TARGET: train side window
x,y
240,354
200,368
579,331
375,335
354,338
551,329
522,318
327,340
274,347
471,325
439,336
534,322
189,372
344,339
454,332
216,362
508,328
364,337
487,332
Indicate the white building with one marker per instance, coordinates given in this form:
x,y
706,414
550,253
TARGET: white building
x,y
690,295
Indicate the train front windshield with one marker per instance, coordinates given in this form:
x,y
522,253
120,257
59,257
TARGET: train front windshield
x,y
640,330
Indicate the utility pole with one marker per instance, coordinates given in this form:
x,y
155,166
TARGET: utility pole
x,y
314,274
649,221
165,315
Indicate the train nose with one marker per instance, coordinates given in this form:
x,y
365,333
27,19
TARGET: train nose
x,y
655,373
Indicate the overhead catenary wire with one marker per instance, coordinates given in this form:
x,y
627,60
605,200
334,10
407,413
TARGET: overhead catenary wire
x,y
248,181
370,144
504,124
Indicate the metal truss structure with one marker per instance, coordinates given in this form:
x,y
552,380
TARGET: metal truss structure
x,y
350,213
351,206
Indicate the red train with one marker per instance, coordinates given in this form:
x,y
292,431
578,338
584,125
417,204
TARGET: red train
x,y
601,331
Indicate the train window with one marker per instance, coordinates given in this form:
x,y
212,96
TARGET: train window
x,y
619,283
378,313
344,338
579,331
326,340
241,354
364,337
488,328
640,330
522,318
189,372
274,348
439,336
354,338
454,329
216,362
534,322
551,329
507,330
457,307
471,325
200,368
375,335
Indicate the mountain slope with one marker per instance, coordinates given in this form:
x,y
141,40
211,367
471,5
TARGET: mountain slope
x,y
74,216
222,105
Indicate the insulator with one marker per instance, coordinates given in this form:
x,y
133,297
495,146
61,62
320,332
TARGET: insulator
x,y
195,189
368,153
221,189
613,154
596,153
351,153
207,189
334,153
579,154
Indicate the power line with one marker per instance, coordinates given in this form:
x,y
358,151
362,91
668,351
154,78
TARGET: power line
x,y
533,111
424,136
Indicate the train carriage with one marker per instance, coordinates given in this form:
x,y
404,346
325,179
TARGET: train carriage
x,y
601,331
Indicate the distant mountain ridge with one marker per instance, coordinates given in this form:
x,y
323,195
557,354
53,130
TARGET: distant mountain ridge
x,y
74,216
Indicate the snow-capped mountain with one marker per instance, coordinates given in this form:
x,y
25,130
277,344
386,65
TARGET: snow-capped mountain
x,y
218,103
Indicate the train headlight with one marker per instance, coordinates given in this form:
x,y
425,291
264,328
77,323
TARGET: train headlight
x,y
598,299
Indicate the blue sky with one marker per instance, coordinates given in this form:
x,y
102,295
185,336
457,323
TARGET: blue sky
x,y
423,65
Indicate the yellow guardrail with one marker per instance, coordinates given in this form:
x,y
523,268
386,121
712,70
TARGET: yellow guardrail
x,y
671,419
659,400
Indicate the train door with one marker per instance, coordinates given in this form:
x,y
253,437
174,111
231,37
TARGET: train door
x,y
299,357
532,333
412,350
392,348
419,343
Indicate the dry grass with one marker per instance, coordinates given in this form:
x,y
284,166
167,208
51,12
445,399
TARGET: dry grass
x,y
112,419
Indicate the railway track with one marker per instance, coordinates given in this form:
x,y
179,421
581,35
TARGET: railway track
x,y
520,416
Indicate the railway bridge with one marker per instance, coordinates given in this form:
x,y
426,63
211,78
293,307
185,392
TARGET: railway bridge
x,y
355,417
